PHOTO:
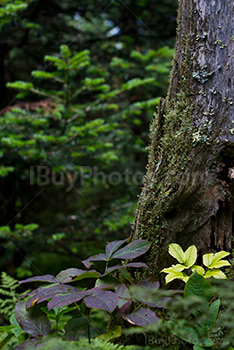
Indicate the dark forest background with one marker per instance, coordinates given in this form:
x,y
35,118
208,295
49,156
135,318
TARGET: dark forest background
x,y
80,82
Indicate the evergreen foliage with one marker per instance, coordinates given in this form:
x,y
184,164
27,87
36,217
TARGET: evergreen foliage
x,y
9,10
84,121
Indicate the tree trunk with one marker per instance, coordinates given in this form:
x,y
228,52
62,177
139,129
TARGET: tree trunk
x,y
187,196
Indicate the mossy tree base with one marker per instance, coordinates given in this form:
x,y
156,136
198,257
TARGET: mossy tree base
x,y
188,189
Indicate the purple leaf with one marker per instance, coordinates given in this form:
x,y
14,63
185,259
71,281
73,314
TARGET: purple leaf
x,y
113,246
141,317
34,322
117,267
125,308
101,299
27,294
147,284
45,278
29,344
44,293
123,294
66,299
66,275
122,291
100,257
132,250
69,274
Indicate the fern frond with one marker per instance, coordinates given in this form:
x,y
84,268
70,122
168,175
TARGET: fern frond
x,y
8,294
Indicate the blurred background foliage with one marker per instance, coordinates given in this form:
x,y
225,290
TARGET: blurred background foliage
x,y
80,81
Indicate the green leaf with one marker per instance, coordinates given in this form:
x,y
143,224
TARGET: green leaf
x,y
190,256
199,286
87,274
17,330
77,322
126,275
177,252
207,259
213,313
176,275
220,255
217,262
113,333
174,268
221,263
214,261
199,269
195,335
218,274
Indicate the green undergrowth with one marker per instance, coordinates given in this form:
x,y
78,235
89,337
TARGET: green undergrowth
x,y
84,345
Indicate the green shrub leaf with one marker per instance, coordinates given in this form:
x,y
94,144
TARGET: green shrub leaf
x,y
207,259
197,285
177,252
213,313
174,268
195,335
218,264
218,274
113,333
213,261
176,275
199,269
190,256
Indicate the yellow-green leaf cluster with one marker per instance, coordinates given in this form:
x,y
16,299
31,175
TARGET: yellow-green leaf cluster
x,y
213,263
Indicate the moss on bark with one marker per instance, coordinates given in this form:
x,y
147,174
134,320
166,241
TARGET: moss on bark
x,y
187,186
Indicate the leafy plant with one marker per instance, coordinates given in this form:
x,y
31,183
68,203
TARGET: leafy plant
x,y
187,260
203,316
84,345
199,328
189,319
91,289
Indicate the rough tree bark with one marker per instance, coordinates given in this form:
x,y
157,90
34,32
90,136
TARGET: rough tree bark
x,y
188,189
